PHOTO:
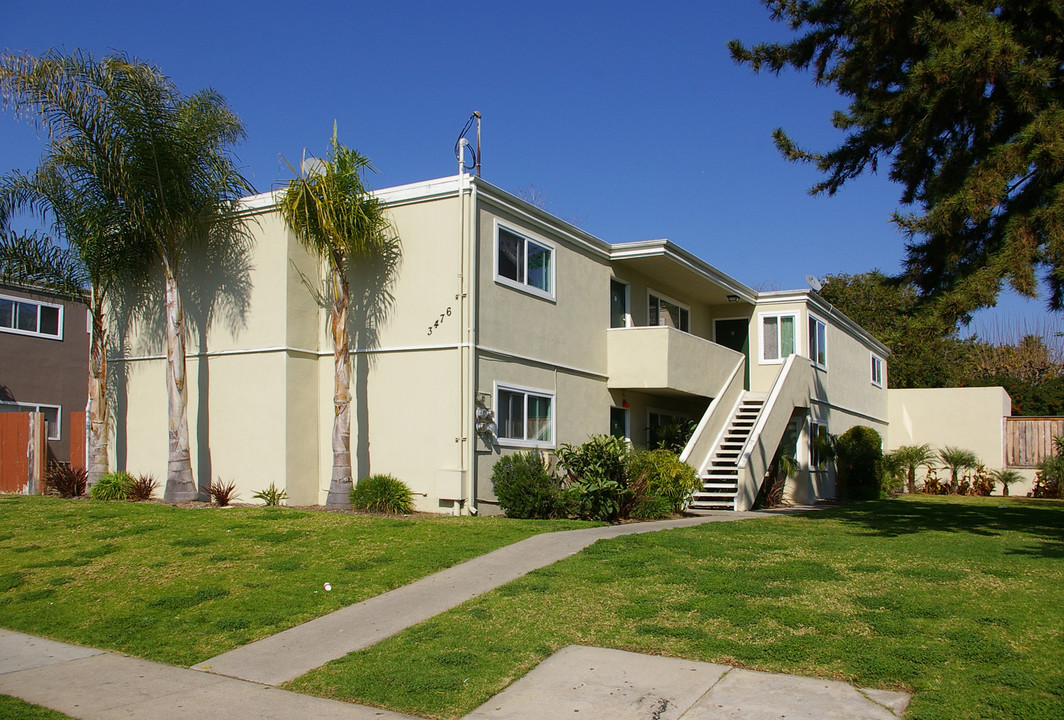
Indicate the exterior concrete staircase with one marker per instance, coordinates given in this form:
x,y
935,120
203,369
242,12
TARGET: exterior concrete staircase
x,y
720,479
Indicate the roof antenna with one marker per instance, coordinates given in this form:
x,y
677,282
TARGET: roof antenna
x,y
462,143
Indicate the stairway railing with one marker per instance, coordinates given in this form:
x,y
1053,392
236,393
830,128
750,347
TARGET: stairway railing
x,y
714,422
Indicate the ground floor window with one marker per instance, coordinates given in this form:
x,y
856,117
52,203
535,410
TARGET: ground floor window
x,y
52,413
668,430
819,445
524,416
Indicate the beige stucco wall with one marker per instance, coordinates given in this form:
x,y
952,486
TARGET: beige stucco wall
x,y
969,418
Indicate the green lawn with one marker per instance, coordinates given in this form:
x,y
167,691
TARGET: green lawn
x,y
181,585
956,600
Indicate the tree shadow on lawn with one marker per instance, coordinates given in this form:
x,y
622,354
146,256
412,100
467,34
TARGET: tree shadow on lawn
x,y
1043,520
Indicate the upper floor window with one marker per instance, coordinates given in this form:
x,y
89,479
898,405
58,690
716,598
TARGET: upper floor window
x,y
663,311
29,317
877,370
524,263
777,337
818,342
525,417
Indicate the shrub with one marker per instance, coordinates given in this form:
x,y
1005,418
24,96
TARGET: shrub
x,y
666,477
652,507
65,481
271,496
858,464
981,481
1049,480
222,493
1006,477
597,473
112,486
524,487
383,493
142,487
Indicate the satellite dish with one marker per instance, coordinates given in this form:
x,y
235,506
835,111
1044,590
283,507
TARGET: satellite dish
x,y
814,282
313,166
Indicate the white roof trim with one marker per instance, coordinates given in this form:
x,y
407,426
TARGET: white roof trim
x,y
675,253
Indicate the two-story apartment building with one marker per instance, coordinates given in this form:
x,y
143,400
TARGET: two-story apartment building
x,y
44,356
502,328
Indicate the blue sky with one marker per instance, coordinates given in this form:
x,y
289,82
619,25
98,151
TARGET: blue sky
x,y
628,118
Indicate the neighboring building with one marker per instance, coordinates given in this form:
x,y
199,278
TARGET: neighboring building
x,y
44,356
500,317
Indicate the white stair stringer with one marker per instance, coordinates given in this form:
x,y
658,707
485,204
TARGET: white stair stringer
x,y
720,473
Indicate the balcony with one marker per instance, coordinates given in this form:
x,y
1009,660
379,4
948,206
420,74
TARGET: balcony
x,y
666,360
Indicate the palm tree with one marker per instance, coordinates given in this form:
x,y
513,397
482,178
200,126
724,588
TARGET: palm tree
x,y
95,258
956,459
912,457
1006,477
126,135
328,208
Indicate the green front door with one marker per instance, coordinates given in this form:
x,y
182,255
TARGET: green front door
x,y
735,334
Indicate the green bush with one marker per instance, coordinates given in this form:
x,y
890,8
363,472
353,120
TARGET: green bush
x,y
524,487
666,477
859,464
112,486
597,473
383,493
652,507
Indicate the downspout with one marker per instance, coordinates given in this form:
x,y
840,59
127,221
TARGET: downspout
x,y
469,344
465,449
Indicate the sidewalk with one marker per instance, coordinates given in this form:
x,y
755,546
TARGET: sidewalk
x,y
93,684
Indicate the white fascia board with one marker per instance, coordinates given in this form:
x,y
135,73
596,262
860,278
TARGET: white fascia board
x,y
667,249
826,310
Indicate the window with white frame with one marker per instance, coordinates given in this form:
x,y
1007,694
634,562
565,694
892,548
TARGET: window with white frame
x,y
525,417
778,338
524,263
30,317
818,342
52,414
819,445
877,370
663,311
663,427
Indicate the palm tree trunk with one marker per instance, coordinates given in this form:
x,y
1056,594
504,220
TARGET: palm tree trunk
x,y
97,410
180,485
340,484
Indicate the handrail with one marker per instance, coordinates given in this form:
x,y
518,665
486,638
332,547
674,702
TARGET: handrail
x,y
766,410
720,397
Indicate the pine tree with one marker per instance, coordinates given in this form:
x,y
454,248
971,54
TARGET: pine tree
x,y
963,98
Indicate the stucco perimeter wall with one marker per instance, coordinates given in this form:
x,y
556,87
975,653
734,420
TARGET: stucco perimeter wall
x,y
969,418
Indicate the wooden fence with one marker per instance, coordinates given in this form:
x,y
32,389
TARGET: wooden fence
x,y
1029,440
23,452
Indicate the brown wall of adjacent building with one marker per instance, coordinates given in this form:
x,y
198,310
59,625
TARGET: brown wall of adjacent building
x,y
46,371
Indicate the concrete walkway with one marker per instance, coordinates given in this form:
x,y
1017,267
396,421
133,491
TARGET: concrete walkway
x,y
93,684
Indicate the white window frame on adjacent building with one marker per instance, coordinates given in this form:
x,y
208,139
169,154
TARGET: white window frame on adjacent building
x,y
683,312
53,428
506,393
818,342
16,311
777,350
526,248
877,370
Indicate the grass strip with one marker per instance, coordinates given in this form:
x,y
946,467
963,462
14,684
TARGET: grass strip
x,y
179,585
956,600
11,708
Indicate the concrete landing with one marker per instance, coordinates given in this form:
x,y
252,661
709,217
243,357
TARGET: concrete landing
x,y
597,683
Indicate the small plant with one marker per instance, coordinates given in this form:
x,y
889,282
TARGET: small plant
x,y
912,457
271,496
1006,477
65,481
223,493
524,487
383,493
957,459
112,486
142,487
981,481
